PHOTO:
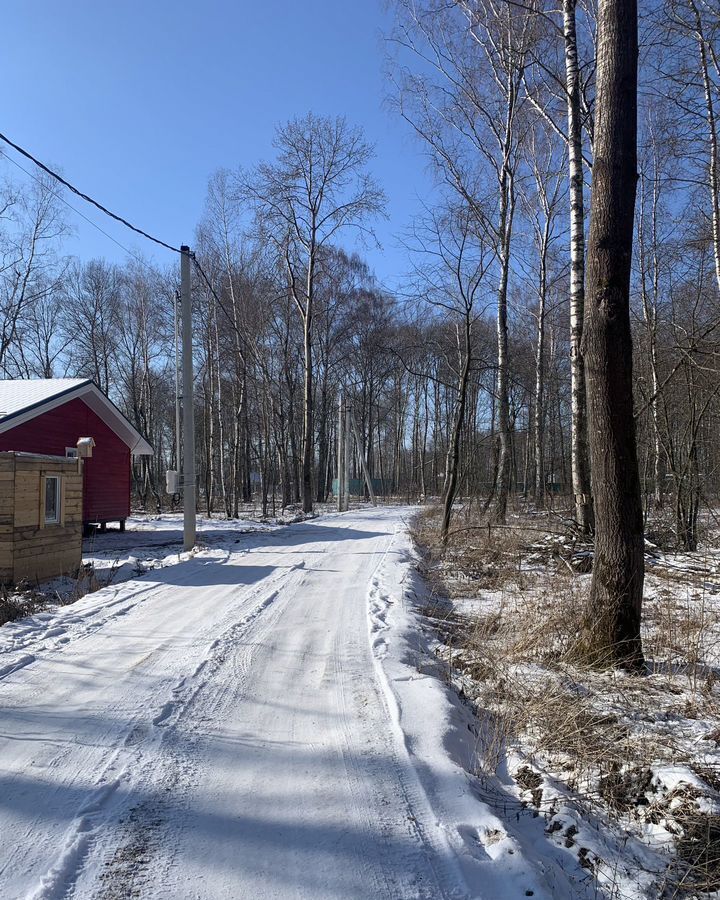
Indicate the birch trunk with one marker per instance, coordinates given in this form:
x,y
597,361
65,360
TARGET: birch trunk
x,y
650,296
507,209
453,459
538,423
579,448
307,457
712,125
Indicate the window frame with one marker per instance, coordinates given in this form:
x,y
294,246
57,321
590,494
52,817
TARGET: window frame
x,y
57,479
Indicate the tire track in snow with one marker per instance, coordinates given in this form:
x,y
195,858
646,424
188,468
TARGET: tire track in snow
x,y
167,776
82,619
145,761
262,760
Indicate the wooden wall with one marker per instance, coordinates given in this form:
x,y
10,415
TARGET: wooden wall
x,y
30,549
107,475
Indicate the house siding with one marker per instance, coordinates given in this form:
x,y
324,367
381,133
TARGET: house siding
x,y
106,477
31,549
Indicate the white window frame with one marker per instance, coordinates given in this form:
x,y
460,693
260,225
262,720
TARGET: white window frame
x,y
58,495
71,452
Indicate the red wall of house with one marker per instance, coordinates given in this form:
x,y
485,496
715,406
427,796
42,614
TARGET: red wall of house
x,y
106,496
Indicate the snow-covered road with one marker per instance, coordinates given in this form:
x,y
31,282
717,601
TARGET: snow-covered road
x,y
225,728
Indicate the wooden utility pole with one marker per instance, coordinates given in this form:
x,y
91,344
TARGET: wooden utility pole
x,y
188,462
612,627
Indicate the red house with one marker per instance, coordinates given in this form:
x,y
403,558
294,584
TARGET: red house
x,y
50,415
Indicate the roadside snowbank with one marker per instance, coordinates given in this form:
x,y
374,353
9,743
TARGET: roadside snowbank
x,y
499,852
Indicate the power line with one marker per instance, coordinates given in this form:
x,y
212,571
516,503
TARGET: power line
x,y
69,205
212,290
206,280
107,212
85,197
231,319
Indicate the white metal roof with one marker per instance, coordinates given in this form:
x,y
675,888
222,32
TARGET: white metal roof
x,y
17,394
23,399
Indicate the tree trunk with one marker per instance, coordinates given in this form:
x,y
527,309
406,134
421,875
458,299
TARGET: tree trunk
x,y
712,126
612,626
538,417
579,449
650,297
307,460
503,360
453,457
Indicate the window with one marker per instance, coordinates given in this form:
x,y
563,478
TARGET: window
x,y
52,499
71,452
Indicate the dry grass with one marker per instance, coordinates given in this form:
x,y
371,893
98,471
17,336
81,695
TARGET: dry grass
x,y
14,607
510,649
26,599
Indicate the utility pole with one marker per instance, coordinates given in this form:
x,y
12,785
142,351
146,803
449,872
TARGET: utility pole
x,y
188,467
178,395
346,491
340,456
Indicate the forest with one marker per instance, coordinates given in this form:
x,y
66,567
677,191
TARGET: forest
x,y
469,381
502,680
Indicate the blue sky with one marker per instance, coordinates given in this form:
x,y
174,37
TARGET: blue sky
x,y
139,102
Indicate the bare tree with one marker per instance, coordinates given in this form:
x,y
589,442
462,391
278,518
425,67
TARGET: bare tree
x,y
468,110
542,203
579,451
454,258
700,22
613,618
31,227
92,317
317,187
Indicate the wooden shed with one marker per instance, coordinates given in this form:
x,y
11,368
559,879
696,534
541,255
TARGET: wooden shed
x,y
49,415
41,518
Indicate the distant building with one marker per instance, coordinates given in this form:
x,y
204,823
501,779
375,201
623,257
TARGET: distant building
x,y
50,415
356,486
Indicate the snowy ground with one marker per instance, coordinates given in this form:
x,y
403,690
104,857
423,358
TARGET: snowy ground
x,y
621,773
152,542
260,719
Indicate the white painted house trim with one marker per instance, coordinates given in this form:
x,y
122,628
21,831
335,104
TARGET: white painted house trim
x,y
22,400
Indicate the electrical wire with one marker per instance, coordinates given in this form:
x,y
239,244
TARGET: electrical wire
x,y
107,212
82,215
212,290
85,197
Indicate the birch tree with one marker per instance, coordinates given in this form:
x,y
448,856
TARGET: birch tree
x,y
467,107
32,226
455,257
579,450
701,22
542,202
317,188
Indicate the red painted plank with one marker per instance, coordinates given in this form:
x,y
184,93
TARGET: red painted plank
x,y
106,496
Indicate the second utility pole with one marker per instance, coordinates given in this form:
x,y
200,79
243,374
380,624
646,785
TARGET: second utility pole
x,y
346,463
342,439
188,463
